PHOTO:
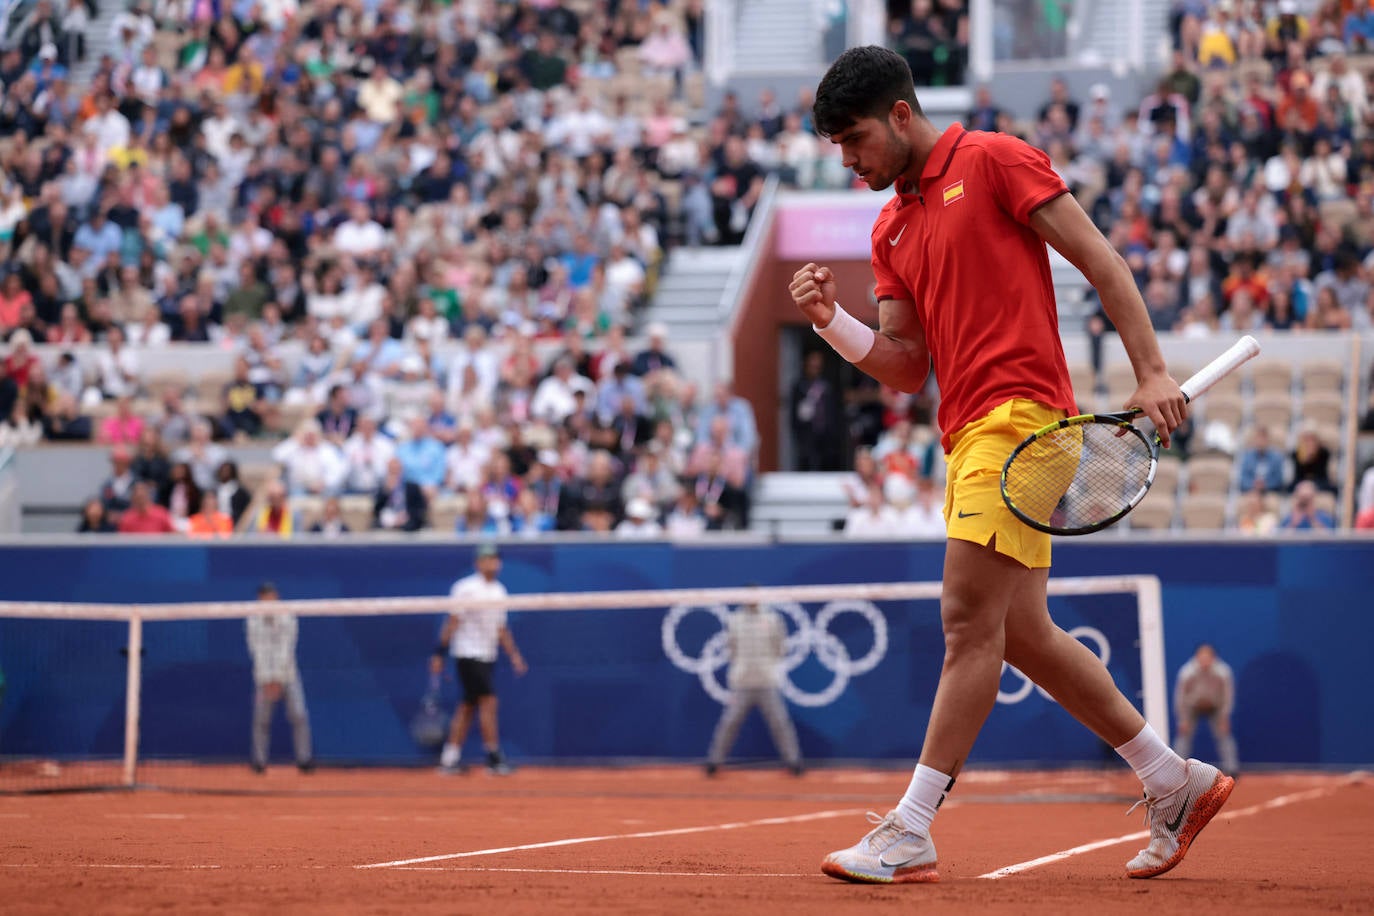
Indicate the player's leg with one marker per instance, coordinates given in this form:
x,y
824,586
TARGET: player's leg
x,y
978,585
1070,672
1182,796
1226,743
299,717
262,726
727,728
774,710
1183,733
450,758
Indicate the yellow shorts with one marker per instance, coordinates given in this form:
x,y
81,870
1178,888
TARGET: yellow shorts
x,y
974,510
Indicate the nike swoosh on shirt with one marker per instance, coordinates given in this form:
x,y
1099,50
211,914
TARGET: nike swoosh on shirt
x,y
896,238
963,514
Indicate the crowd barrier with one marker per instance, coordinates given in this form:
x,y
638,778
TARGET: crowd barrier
x,y
1291,617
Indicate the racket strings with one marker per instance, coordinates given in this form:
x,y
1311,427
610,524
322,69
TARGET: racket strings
x,y
1079,476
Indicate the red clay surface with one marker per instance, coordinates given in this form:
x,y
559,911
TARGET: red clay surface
x,y
288,843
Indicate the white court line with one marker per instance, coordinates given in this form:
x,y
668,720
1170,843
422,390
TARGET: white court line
x,y
576,841
106,865
1279,802
610,871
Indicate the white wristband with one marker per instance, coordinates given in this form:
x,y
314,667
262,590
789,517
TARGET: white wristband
x,y
849,336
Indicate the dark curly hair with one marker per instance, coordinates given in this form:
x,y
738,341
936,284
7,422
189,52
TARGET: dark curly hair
x,y
862,83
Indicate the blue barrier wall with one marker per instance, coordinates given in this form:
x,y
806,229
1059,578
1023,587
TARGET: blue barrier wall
x,y
1291,618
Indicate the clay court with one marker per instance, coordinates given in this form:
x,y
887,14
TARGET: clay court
x,y
660,840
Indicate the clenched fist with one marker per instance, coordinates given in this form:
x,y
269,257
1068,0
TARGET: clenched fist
x,y
813,289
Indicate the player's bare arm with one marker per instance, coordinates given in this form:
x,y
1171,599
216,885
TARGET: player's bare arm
x,y
436,663
1063,224
516,659
899,357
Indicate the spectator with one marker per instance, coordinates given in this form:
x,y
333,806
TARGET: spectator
x,y
95,519
874,518
123,427
150,461
1253,517
864,477
592,502
143,516
272,644
367,453
553,400
202,454
400,504
209,523
423,457
311,465
655,356
724,504
1312,462
1261,464
817,418
686,519
244,405
1303,514
917,509
640,521
331,522
275,517
738,412
230,496
116,493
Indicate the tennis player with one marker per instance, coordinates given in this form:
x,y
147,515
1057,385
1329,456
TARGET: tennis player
x,y
473,639
963,282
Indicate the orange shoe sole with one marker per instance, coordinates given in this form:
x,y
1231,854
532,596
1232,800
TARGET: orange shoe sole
x,y
918,874
1204,809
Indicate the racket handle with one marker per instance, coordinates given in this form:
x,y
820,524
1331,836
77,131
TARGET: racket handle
x,y
1245,348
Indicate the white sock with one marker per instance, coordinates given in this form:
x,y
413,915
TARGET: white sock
x,y
1159,768
451,754
925,794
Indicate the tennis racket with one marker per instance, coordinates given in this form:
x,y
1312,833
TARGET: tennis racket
x,y
429,726
1081,474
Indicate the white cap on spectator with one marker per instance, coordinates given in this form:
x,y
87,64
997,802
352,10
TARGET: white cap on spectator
x,y
639,508
1100,91
1288,7
548,456
657,329
21,338
48,52
413,362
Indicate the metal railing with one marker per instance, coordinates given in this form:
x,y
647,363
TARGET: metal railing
x,y
10,516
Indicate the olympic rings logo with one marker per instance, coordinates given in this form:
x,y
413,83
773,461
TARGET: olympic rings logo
x,y
1083,634
806,639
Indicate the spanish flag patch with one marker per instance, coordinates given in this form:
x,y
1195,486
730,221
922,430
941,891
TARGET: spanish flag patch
x,y
954,192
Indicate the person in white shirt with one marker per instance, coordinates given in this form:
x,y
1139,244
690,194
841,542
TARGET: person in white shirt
x,y
367,453
272,644
639,521
466,460
553,400
360,235
312,465
117,366
872,519
473,639
918,511
475,353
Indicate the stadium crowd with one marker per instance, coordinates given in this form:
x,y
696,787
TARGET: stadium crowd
x,y
458,212
373,183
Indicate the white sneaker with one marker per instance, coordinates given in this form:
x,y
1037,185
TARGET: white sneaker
x,y
1177,818
889,854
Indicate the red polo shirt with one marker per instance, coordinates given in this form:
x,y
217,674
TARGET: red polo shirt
x,y
961,248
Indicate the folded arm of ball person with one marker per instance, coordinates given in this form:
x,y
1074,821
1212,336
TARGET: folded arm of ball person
x,y
1062,223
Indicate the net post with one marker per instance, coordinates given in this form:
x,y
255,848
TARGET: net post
x,y
1153,675
132,696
